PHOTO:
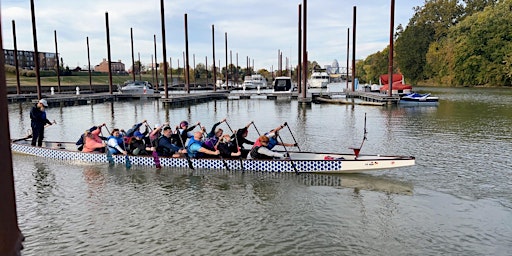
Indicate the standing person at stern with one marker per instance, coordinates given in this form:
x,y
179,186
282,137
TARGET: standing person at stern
x,y
38,122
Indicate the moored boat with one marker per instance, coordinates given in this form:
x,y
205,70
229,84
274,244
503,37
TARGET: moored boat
x,y
299,162
398,86
283,84
419,99
318,79
259,81
137,87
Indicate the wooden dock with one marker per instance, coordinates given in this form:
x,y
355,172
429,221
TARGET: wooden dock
x,y
180,99
374,97
192,98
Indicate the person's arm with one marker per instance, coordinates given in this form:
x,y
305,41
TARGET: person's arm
x,y
97,131
214,127
93,144
192,127
112,142
209,152
134,128
46,121
277,129
268,152
244,140
287,144
165,143
158,129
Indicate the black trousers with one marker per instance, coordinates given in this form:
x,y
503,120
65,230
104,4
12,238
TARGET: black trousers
x,y
37,135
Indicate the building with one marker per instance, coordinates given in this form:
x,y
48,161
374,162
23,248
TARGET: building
x,y
47,60
117,67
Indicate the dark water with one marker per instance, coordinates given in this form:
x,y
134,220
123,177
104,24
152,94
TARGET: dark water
x,y
457,200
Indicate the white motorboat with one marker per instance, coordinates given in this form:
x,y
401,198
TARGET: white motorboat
x,y
259,81
319,79
137,87
248,83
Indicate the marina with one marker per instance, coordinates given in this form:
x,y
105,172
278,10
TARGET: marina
x,y
70,98
69,206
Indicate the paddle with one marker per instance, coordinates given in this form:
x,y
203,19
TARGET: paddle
x,y
24,138
190,165
109,154
287,153
297,144
357,150
237,146
203,131
259,134
128,163
156,159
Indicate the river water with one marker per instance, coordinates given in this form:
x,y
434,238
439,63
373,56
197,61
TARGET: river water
x,y
456,200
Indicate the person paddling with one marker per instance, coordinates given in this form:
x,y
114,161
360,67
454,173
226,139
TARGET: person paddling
x,y
38,121
240,137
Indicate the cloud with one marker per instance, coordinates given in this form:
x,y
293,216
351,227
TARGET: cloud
x,y
256,29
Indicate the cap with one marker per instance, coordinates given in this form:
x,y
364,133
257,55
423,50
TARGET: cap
x,y
138,134
270,134
43,101
184,123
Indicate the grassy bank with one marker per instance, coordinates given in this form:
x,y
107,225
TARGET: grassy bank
x,y
70,80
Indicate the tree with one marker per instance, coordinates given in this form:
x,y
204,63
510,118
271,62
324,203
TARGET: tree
x,y
440,14
474,6
411,49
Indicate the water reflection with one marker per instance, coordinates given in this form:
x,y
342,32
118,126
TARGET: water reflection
x,y
44,180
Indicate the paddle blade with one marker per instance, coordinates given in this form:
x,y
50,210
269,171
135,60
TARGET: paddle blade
x,y
156,160
128,162
110,158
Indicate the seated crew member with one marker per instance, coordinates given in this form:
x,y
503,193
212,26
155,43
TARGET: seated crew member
x,y
135,128
228,148
272,135
80,142
212,138
262,152
165,145
92,140
115,143
240,139
138,144
195,148
156,133
185,132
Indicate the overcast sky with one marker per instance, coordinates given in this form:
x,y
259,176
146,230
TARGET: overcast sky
x,y
255,28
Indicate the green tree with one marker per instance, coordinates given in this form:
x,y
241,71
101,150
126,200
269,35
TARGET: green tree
x,y
474,6
482,42
440,14
373,66
411,48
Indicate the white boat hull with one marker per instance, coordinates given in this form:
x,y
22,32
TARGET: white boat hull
x,y
307,162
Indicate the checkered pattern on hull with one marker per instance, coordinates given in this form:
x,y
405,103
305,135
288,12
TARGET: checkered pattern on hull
x,y
232,164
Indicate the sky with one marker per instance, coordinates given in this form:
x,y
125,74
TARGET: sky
x,y
256,29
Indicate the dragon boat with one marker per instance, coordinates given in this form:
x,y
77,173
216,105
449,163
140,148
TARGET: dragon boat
x,y
298,161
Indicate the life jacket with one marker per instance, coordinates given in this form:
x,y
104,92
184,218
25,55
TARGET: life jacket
x,y
211,142
163,151
193,152
272,142
120,141
255,155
